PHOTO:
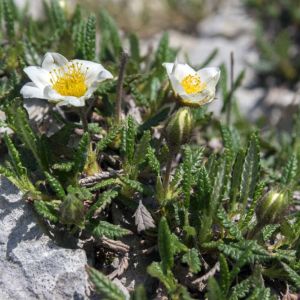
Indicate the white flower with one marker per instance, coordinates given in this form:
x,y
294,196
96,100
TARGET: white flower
x,y
194,88
64,82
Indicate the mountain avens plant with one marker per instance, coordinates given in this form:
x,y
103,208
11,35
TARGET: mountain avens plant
x,y
205,203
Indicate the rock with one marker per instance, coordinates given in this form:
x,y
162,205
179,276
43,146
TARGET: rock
x,y
32,265
279,105
230,21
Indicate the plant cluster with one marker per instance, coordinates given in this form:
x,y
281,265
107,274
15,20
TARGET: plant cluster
x,y
278,38
213,196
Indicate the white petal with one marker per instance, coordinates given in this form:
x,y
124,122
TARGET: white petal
x,y
53,60
94,71
72,101
179,71
210,76
51,94
39,76
30,90
176,85
61,100
201,98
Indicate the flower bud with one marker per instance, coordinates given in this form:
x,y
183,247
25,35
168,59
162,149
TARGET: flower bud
x,y
72,210
271,207
178,129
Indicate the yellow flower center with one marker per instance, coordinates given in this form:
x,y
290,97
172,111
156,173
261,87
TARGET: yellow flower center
x,y
192,84
69,80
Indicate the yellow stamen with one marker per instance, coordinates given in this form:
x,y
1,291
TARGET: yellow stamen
x,y
69,80
192,84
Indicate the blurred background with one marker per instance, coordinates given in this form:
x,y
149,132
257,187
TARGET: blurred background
x,y
263,36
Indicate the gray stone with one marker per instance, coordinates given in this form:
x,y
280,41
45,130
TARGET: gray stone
x,y
32,265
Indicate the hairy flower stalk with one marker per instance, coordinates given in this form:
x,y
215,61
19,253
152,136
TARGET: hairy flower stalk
x,y
193,88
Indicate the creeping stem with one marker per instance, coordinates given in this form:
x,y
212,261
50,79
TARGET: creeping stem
x,y
124,59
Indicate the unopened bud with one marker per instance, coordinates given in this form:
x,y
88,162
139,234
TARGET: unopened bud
x,y
178,129
72,210
271,207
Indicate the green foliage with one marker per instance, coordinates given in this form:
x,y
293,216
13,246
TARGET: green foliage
x,y
278,49
205,198
48,210
104,286
111,45
165,246
192,259
250,170
109,230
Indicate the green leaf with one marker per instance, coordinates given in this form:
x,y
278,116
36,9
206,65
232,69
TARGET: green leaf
x,y
240,290
109,138
104,200
165,245
81,153
250,170
111,45
187,175
236,176
128,139
163,52
290,171
56,186
141,148
214,290
47,210
109,230
178,246
134,48
225,275
90,38
9,19
14,156
152,160
18,120
246,220
168,280
132,184
293,275
192,259
268,231
104,285
139,293
231,227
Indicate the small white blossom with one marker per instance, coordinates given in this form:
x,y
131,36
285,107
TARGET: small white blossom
x,y
64,82
194,88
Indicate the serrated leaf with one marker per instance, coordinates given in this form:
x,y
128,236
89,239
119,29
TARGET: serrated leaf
x,y
214,290
192,259
250,170
81,153
165,245
104,199
225,275
46,210
293,275
155,270
152,160
143,218
290,170
109,230
56,186
104,285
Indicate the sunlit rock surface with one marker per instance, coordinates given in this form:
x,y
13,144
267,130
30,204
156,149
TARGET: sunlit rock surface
x,y
32,265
